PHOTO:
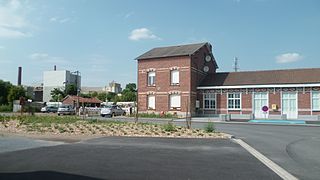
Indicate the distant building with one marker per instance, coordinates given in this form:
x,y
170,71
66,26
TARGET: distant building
x,y
90,90
114,87
87,102
34,92
58,79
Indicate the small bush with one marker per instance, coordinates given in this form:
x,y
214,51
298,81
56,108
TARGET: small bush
x,y
5,108
169,127
209,127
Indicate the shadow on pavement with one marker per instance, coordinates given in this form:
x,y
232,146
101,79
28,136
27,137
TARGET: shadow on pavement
x,y
43,175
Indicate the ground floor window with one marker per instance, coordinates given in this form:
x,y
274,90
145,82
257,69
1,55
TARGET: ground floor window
x,y
234,101
209,101
151,102
175,101
316,101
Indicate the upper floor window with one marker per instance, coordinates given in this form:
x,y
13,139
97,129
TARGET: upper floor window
x,y
151,78
209,101
234,101
175,101
174,77
315,101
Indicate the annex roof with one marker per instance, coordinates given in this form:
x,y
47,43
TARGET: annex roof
x,y
171,51
288,76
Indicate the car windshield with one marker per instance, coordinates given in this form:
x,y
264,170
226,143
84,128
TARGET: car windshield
x,y
106,106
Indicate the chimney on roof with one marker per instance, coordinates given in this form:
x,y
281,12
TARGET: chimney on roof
x,y
19,75
54,67
236,65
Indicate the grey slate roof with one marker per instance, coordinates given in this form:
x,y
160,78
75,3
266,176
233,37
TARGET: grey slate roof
x,y
288,76
171,51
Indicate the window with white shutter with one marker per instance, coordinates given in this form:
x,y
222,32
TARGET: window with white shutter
x,y
151,102
151,78
315,101
175,101
174,77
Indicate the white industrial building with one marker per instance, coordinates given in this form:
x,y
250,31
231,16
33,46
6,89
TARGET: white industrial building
x,y
58,79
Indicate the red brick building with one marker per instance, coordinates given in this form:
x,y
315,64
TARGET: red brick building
x,y
183,79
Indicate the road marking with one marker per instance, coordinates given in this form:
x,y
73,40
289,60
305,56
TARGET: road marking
x,y
266,161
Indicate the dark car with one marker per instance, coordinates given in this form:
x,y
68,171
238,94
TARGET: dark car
x,y
49,109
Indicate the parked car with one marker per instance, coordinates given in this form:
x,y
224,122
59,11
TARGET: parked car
x,y
66,110
113,110
48,109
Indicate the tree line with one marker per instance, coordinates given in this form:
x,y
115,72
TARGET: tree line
x,y
127,94
10,92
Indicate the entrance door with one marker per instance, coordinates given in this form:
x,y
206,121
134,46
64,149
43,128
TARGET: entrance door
x,y
290,105
260,99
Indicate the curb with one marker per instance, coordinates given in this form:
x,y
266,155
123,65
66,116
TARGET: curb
x,y
266,161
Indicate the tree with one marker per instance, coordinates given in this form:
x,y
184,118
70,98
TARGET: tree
x,y
102,96
15,93
57,95
110,96
71,89
4,91
129,93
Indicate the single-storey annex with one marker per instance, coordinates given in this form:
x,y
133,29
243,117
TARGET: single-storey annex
x,y
183,80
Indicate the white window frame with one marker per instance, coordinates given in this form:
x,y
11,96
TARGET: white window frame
x,y
154,78
210,98
170,105
313,98
234,100
171,77
149,107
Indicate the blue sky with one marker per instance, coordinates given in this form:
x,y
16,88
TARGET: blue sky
x,y
101,38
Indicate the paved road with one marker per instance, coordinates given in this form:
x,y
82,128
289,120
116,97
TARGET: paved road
x,y
135,158
295,148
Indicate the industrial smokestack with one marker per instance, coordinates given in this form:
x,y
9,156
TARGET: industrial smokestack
x,y
19,75
55,68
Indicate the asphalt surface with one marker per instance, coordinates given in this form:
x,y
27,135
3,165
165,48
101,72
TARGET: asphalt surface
x,y
135,158
294,148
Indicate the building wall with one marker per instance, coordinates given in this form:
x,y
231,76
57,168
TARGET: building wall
x,y
304,104
163,87
58,79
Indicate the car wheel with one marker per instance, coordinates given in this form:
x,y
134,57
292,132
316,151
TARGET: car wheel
x,y
124,113
58,114
113,114
103,115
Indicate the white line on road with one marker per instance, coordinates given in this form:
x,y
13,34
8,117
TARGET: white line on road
x,y
270,164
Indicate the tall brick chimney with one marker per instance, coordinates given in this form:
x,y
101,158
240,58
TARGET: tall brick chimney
x,y
19,76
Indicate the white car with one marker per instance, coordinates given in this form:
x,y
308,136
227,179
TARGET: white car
x,y
66,110
111,111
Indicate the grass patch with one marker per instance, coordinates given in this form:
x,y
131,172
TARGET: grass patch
x,y
169,127
5,108
209,127
154,115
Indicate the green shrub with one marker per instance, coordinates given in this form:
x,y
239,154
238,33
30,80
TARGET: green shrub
x,y
209,127
5,108
169,127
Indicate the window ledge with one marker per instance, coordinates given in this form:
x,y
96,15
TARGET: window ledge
x,y
152,85
234,109
174,84
175,109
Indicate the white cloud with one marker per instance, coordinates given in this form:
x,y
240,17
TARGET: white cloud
x,y
141,34
59,20
288,58
45,58
13,22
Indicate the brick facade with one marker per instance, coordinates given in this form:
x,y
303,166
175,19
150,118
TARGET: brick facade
x,y
194,82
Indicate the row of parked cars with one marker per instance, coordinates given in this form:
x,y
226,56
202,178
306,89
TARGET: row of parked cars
x,y
105,111
61,110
